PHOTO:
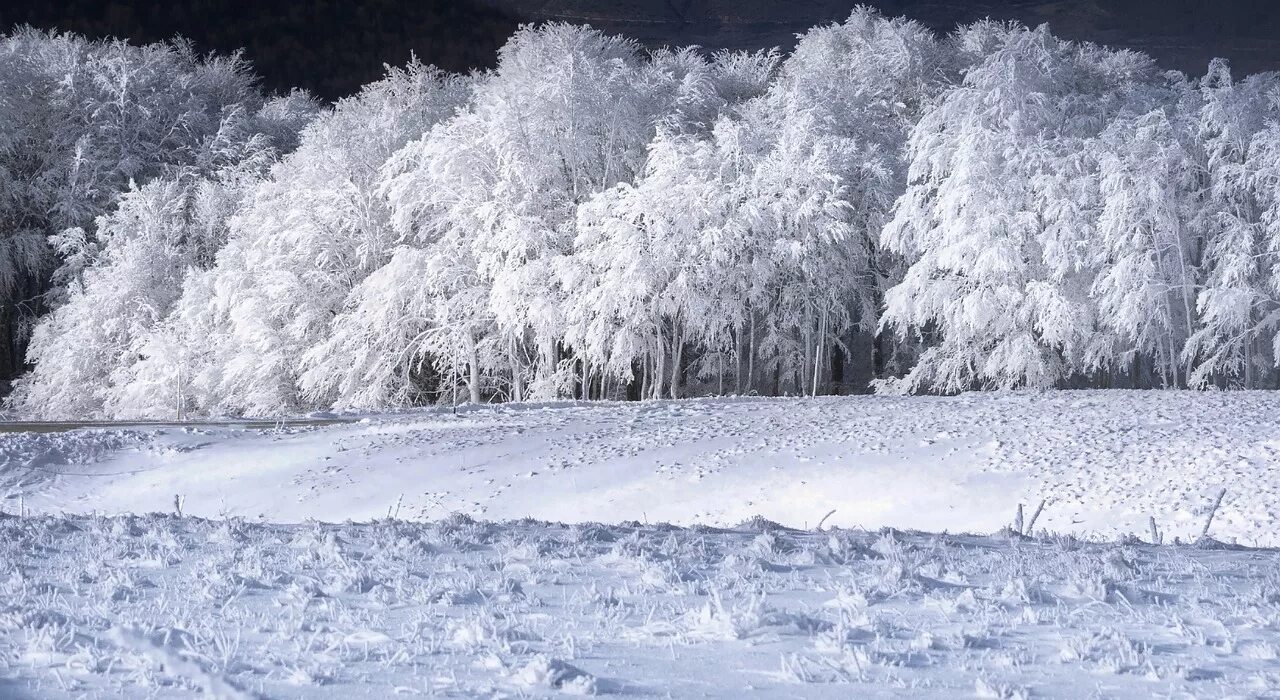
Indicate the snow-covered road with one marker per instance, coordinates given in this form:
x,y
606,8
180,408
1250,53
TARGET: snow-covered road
x,y
1105,462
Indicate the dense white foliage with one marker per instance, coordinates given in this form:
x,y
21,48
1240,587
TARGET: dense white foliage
x,y
83,121
1000,220
996,208
312,231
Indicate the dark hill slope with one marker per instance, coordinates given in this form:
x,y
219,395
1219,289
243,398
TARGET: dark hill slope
x,y
1181,34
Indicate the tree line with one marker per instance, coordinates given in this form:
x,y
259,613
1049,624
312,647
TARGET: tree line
x,y
882,208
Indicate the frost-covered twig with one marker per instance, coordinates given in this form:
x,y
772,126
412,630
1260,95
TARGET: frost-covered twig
x,y
824,519
1212,510
1031,526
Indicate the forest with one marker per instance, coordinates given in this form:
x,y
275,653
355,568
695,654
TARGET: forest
x,y
881,209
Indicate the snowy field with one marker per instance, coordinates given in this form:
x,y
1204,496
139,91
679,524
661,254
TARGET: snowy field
x,y
466,591
1104,462
161,606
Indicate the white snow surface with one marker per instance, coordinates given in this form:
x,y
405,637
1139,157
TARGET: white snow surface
x,y
1105,462
162,606
258,590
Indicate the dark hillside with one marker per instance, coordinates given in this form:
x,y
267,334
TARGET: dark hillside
x,y
332,47
1181,34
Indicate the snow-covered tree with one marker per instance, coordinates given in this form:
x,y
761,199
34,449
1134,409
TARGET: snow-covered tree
x,y
84,122
997,209
86,350
1147,286
993,286
844,106
1236,310
127,292
311,233
567,114
1263,167
756,241
643,283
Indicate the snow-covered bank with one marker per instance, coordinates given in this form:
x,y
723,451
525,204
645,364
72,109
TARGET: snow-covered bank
x,y
160,606
1105,461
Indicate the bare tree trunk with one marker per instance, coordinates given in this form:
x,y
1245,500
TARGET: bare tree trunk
x,y
806,343
1248,356
453,380
817,351
517,382
677,356
720,373
737,362
548,368
179,390
1188,304
661,360
473,359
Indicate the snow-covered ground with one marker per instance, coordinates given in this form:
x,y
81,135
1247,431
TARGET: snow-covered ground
x,y
161,606
1104,462
248,594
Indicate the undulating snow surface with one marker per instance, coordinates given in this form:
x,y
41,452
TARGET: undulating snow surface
x,y
247,594
161,606
1105,462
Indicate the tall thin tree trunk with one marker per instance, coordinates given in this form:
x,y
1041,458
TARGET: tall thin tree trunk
x,y
1249,379
720,373
548,364
737,362
806,345
473,358
661,359
1188,305
677,356
453,379
817,351
517,382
